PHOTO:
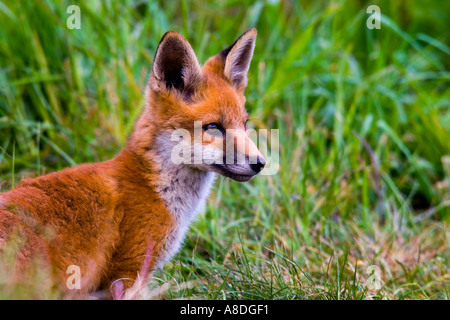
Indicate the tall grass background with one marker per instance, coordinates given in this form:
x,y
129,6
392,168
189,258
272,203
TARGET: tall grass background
x,y
364,126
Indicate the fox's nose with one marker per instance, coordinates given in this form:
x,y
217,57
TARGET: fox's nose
x,y
259,165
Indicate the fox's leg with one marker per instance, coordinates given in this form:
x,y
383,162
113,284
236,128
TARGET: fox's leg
x,y
131,271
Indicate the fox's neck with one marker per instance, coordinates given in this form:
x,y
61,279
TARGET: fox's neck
x,y
183,189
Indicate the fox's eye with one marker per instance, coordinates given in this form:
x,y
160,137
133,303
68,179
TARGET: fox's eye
x,y
213,128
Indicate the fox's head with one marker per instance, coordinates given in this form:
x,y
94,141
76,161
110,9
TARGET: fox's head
x,y
197,114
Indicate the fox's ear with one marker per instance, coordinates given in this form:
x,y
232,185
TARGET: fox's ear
x,y
175,65
237,59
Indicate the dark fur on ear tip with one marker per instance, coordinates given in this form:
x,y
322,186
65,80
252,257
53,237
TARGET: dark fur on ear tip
x,y
160,42
224,53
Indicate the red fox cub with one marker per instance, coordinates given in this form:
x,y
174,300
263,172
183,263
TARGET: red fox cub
x,y
112,220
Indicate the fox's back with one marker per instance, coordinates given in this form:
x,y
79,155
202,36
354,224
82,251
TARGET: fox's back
x,y
70,214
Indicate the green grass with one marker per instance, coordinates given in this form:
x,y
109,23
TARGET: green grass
x,y
364,128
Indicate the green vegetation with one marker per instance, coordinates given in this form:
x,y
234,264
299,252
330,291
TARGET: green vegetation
x,y
364,128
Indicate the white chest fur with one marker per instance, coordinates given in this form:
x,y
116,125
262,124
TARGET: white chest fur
x,y
184,191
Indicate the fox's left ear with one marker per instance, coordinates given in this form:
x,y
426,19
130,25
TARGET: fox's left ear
x,y
237,59
175,66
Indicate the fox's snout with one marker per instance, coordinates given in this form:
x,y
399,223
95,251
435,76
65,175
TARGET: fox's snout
x,y
232,154
241,159
247,152
259,165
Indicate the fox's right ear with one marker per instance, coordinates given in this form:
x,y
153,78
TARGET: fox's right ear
x,y
237,59
175,66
